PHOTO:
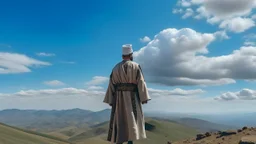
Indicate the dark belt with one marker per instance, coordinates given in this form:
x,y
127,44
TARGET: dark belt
x,y
126,87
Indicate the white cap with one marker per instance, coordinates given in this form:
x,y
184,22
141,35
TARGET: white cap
x,y
127,49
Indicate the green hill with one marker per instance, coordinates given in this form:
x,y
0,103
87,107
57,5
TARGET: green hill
x,y
68,132
158,131
12,135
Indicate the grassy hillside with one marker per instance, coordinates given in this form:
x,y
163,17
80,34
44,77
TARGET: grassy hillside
x,y
202,125
51,120
11,135
161,132
68,132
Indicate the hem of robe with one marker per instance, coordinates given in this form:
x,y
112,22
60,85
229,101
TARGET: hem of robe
x,y
107,102
147,100
123,141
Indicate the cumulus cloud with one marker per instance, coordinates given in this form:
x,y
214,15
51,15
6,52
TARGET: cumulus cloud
x,y
244,94
97,80
237,24
64,98
229,8
176,57
188,13
68,62
45,54
68,98
145,39
250,36
54,83
96,91
223,11
249,43
254,17
95,88
11,63
221,35
250,39
175,92
175,11
55,92
184,3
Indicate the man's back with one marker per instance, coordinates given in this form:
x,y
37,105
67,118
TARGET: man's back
x,y
126,93
125,72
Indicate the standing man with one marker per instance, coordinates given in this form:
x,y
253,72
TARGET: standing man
x,y
126,93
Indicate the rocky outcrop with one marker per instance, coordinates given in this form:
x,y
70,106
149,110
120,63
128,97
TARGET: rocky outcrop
x,y
226,133
200,136
149,127
245,135
207,134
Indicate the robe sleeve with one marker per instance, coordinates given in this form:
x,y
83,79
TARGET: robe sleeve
x,y
110,92
142,87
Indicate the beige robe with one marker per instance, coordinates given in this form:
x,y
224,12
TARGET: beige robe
x,y
127,119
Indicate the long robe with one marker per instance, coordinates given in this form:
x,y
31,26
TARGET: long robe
x,y
127,119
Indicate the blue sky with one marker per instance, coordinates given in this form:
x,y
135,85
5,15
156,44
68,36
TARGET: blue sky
x,y
79,40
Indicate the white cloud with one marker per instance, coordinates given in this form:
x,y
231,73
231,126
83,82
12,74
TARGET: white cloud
x,y
244,94
96,91
175,11
55,92
97,80
254,17
17,63
195,2
223,11
45,54
91,98
95,88
237,24
54,83
145,39
248,43
184,3
188,13
201,13
68,62
229,8
175,92
68,98
221,35
251,36
64,98
176,57
250,39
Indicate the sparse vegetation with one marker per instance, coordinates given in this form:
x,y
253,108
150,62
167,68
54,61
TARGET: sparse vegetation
x,y
12,135
244,136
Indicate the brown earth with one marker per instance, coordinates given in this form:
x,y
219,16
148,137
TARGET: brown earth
x,y
241,136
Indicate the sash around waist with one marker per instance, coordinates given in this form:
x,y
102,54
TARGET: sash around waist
x,y
126,87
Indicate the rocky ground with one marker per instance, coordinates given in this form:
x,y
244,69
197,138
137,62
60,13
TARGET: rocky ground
x,y
242,136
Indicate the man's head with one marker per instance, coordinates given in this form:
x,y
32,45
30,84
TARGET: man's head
x,y
127,52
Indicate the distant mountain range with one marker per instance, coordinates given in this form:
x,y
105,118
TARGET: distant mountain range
x,y
84,126
51,120
232,120
48,120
